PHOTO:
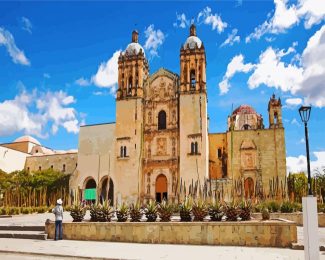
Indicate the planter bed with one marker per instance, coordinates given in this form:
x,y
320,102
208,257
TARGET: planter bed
x,y
272,233
296,217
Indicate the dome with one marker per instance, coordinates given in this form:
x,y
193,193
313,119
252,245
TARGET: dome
x,y
244,109
27,138
192,42
134,48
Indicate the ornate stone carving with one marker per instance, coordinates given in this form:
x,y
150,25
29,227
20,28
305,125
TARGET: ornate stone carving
x,y
148,183
161,146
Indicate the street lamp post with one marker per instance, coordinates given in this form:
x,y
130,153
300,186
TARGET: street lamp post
x,y
304,112
309,203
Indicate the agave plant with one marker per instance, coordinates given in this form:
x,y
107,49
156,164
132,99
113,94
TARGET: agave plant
x,y
165,211
231,211
77,213
185,210
94,213
105,213
216,211
245,210
199,210
122,213
151,211
135,212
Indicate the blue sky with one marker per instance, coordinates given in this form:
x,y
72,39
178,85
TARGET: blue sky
x,y
58,68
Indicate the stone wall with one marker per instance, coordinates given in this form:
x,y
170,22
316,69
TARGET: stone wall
x,y
252,233
64,162
295,217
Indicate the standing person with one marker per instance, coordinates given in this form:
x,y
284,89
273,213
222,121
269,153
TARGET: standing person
x,y
58,212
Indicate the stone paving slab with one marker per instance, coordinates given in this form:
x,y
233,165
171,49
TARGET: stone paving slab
x,y
110,250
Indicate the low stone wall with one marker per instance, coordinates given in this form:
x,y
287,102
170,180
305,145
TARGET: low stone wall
x,y
271,233
296,217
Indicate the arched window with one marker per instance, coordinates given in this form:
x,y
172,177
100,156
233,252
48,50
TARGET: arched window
x,y
63,168
162,120
192,78
130,86
196,148
246,127
275,118
121,151
219,153
192,148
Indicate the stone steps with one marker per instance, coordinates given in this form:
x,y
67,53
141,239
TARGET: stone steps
x,y
37,235
23,232
300,246
22,228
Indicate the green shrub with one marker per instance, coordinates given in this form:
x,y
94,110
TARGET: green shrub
x,y
297,207
320,208
273,206
287,207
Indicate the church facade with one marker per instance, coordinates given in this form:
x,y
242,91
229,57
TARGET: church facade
x,y
160,141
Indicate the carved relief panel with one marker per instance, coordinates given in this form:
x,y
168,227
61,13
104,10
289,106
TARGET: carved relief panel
x,y
161,146
248,155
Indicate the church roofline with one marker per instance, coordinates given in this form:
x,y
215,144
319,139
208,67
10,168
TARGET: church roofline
x,y
163,72
109,123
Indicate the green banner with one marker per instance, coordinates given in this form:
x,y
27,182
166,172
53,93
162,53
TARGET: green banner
x,y
90,194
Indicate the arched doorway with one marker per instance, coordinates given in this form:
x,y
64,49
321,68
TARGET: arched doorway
x,y
90,192
107,191
249,188
161,188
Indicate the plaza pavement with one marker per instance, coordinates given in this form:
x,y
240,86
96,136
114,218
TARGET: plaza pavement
x,y
68,249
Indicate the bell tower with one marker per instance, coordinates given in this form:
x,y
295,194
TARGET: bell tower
x,y
275,112
133,71
193,123
193,64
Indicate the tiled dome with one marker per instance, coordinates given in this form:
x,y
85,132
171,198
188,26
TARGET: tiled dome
x,y
192,42
244,109
27,138
133,48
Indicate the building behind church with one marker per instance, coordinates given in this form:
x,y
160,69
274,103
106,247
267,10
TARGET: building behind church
x,y
160,141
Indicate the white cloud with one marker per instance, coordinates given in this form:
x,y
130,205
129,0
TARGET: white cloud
x,y
293,102
295,122
15,53
46,75
212,19
313,62
304,77
286,16
26,24
273,72
71,126
234,66
232,38
107,73
181,21
31,113
299,164
82,82
154,39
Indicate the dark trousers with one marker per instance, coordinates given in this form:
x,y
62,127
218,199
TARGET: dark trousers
x,y
58,229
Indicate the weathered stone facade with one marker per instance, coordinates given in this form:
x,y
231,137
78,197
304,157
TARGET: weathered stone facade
x,y
160,140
